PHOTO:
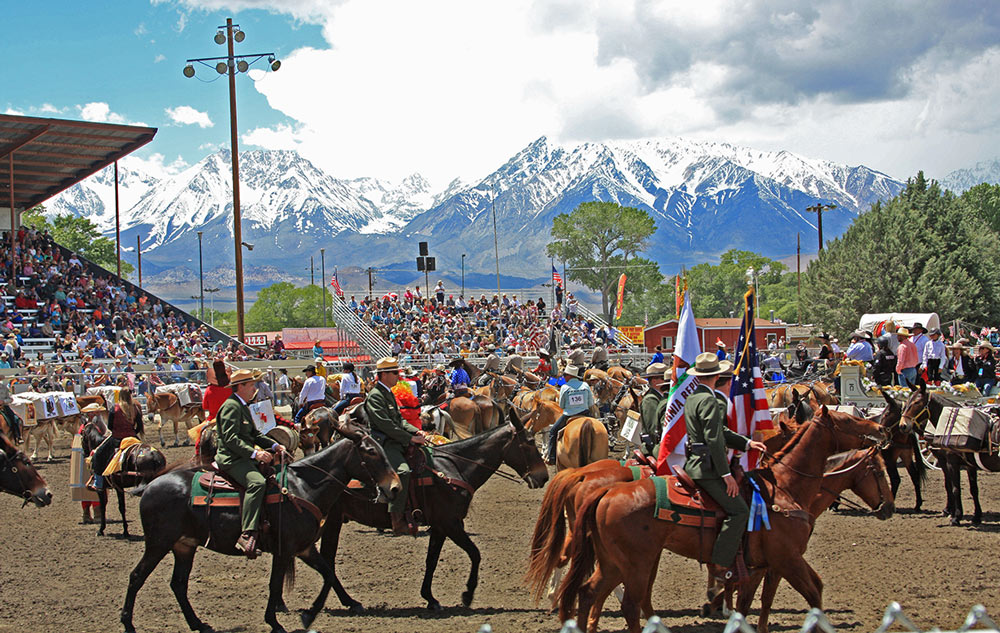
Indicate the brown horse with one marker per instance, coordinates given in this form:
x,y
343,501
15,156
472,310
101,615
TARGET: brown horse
x,y
616,528
903,443
817,391
18,476
584,440
168,406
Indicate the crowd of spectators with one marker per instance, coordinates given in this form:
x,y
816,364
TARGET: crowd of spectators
x,y
445,325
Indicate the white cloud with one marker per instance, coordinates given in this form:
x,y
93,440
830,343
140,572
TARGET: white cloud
x,y
100,112
156,165
186,115
453,88
159,58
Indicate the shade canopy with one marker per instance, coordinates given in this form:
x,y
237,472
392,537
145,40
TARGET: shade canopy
x,y
51,155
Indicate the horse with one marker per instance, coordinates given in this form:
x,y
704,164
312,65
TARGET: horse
x,y
171,523
18,476
904,445
460,468
168,405
44,430
466,416
140,465
616,527
583,440
818,391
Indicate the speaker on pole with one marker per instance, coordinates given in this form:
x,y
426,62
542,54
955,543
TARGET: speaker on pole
x,y
430,264
423,248
421,263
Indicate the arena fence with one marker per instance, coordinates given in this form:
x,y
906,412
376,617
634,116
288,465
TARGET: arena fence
x,y
977,620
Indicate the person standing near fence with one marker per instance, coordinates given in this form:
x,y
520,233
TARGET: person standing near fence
x,y
932,355
985,368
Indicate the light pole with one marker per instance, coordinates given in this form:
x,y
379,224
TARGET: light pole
x,y
212,292
201,279
322,276
463,275
496,244
233,64
818,209
752,280
138,252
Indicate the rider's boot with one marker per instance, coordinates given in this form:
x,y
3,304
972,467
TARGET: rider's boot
x,y
247,543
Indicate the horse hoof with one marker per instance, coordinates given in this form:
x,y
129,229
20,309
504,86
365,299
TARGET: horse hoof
x,y
356,609
281,607
706,610
204,628
467,598
100,532
976,520
307,618
434,607
956,522
187,442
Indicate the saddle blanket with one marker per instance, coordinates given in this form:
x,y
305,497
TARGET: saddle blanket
x,y
115,464
221,493
674,503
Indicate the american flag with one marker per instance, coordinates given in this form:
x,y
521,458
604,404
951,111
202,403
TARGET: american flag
x,y
556,277
336,285
748,411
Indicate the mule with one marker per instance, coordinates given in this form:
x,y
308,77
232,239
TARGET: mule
x,y
141,465
904,445
817,391
616,528
461,469
172,524
169,408
18,476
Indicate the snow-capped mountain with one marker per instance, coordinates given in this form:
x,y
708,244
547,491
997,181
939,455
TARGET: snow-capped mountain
x,y
705,198
94,198
962,179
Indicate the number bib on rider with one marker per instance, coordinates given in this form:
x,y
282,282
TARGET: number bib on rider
x,y
577,399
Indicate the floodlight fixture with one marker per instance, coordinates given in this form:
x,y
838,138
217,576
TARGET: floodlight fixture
x,y
189,71
220,38
221,68
275,65
242,66
239,36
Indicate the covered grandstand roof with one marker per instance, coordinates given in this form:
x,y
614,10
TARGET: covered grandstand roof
x,y
51,155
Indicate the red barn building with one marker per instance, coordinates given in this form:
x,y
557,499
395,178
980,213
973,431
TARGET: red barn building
x,y
710,331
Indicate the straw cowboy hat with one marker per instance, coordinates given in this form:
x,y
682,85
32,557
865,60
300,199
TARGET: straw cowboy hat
x,y
903,332
93,407
957,346
241,376
572,370
708,364
656,370
985,344
386,363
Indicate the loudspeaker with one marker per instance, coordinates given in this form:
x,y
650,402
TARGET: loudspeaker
x,y
430,264
423,248
420,264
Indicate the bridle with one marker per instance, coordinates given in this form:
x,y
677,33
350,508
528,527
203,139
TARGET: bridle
x,y
356,447
868,461
518,479
7,464
875,443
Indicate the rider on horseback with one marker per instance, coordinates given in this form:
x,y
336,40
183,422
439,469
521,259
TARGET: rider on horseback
x,y
491,367
575,398
126,421
394,433
708,437
652,408
237,438
599,358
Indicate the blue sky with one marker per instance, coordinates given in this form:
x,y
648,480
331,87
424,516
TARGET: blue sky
x,y
453,88
130,56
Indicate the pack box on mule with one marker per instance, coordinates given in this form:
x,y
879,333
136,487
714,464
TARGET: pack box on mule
x,y
959,428
188,393
79,473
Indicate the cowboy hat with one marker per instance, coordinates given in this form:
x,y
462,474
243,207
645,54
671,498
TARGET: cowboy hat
x,y
720,344
935,331
985,344
308,368
387,363
956,346
902,332
572,370
543,352
241,376
708,364
918,325
656,370
857,334
93,407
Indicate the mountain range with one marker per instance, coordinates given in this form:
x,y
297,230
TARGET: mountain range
x,y
705,198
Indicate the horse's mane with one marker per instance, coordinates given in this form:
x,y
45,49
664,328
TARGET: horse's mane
x,y
451,447
309,460
790,444
836,461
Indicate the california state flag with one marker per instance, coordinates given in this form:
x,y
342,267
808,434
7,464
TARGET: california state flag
x,y
674,430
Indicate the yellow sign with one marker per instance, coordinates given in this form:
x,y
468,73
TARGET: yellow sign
x,y
633,333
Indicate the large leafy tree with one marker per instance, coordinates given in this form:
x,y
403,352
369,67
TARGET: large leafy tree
x,y
984,200
718,289
79,235
598,241
283,305
922,251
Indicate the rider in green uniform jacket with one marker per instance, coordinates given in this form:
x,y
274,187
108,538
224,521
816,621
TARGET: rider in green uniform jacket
x,y
652,408
393,432
238,439
708,437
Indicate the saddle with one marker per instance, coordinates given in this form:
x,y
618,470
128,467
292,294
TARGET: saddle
x,y
213,488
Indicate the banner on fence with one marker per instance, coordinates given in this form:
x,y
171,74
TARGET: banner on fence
x,y
633,333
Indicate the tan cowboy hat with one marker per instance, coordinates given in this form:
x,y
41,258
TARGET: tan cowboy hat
x,y
572,370
543,352
708,364
244,375
956,346
93,407
656,370
903,332
984,343
386,363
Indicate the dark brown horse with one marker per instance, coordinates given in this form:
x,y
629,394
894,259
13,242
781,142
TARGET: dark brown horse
x,y
465,466
171,524
18,476
904,446
141,465
616,528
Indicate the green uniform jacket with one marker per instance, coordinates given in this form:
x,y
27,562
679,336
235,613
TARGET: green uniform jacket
x,y
705,418
236,433
652,408
384,417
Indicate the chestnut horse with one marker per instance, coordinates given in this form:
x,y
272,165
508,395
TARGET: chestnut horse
x,y
584,440
616,528
818,392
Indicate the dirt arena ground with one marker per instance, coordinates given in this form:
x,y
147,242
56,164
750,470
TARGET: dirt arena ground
x,y
57,575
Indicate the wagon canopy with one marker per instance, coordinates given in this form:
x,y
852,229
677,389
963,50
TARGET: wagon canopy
x,y
875,322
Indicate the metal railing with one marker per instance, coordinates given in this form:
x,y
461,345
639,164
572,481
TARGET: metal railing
x,y
597,319
362,334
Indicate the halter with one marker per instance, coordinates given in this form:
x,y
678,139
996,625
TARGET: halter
x,y
355,447
870,467
7,465
833,430
519,479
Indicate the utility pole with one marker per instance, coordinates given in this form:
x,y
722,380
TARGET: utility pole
x,y
138,250
201,279
463,275
118,235
370,283
496,244
322,276
232,65
818,209
312,272
798,274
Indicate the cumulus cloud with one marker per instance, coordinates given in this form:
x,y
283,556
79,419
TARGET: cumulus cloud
x,y
155,164
186,115
453,88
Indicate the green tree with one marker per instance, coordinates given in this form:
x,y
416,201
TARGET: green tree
x,y
718,289
922,251
283,305
598,240
79,235
648,296
984,199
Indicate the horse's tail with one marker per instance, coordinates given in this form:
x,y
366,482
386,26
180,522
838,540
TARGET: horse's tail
x,y
586,442
290,576
918,459
550,533
581,554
